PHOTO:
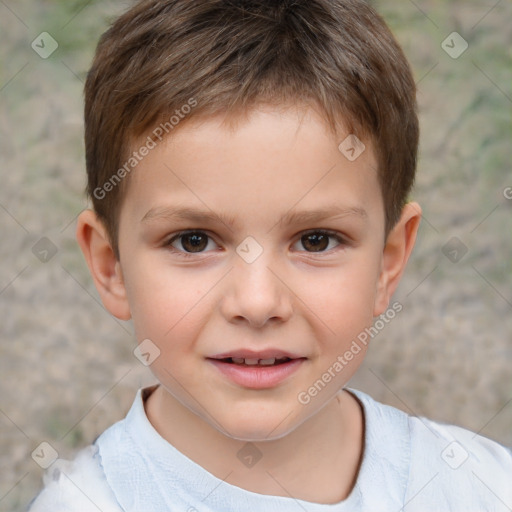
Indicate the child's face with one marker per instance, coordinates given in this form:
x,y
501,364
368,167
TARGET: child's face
x,y
306,296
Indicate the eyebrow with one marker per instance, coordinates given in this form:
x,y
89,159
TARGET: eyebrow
x,y
289,218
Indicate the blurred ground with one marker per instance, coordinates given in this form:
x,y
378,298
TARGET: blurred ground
x,y
67,370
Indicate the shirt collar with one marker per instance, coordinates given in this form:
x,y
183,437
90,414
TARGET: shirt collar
x,y
148,473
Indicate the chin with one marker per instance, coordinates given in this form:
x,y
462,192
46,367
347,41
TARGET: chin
x,y
259,427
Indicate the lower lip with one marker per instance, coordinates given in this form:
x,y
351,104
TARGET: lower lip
x,y
257,377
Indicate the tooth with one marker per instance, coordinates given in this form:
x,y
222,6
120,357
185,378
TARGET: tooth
x,y
268,361
251,361
238,360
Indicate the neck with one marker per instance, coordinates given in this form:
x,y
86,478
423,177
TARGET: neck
x,y
328,445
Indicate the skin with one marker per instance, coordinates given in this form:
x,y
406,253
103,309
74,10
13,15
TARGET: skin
x,y
310,303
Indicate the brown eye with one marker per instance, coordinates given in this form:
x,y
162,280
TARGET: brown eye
x,y
191,242
316,242
194,242
320,241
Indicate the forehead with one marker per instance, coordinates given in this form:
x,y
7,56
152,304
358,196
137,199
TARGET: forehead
x,y
278,161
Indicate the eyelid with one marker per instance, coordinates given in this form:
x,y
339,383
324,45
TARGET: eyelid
x,y
183,232
329,232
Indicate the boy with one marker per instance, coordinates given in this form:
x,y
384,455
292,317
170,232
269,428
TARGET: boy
x,y
249,164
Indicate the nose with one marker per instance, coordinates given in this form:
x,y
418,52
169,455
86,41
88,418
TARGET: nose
x,y
255,293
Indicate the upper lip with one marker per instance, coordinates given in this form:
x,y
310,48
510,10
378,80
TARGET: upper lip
x,y
260,354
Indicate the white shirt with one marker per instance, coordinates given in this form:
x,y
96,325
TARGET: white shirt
x,y
409,464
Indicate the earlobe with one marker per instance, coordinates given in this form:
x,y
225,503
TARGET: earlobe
x,y
398,248
103,264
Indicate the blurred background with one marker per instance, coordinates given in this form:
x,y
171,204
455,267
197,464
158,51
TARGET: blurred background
x,y
67,369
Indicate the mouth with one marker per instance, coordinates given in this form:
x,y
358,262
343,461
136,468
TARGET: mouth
x,y
247,357
251,361
257,370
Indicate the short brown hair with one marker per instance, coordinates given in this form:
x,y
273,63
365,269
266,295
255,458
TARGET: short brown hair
x,y
227,56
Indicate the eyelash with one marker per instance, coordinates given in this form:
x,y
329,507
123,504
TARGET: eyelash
x,y
185,254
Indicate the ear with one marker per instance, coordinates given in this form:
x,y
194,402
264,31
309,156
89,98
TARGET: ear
x,y
103,265
397,250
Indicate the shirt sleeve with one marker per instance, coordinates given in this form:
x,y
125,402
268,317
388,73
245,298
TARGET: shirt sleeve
x,y
455,469
77,485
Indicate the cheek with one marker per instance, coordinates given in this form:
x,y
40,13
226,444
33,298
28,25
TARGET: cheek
x,y
165,304
343,299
